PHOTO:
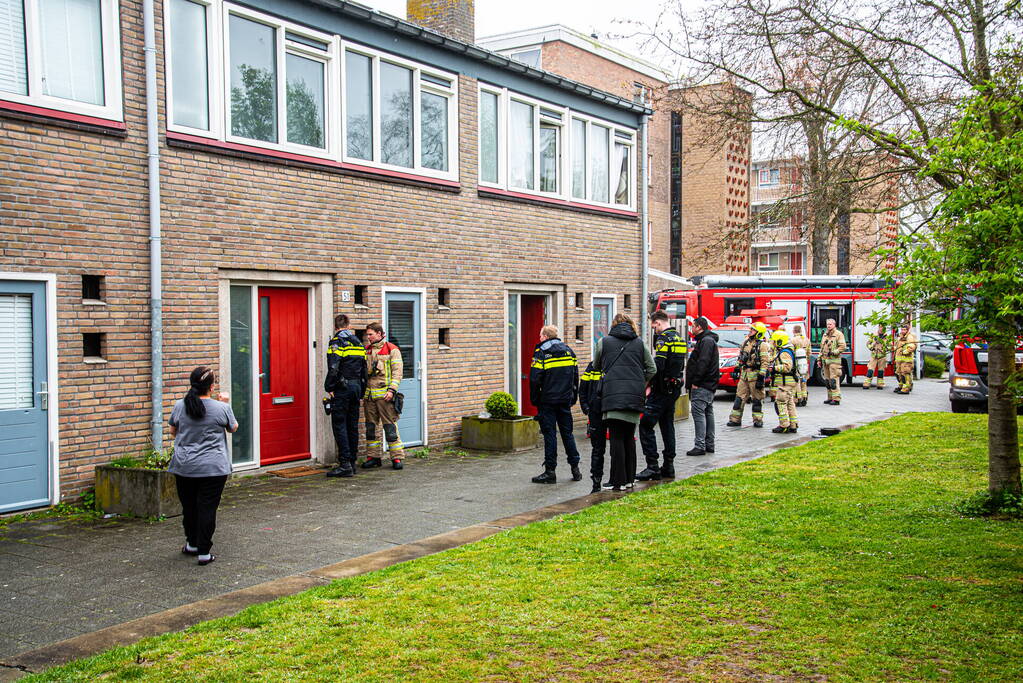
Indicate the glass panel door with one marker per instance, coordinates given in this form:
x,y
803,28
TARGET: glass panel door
x,y
242,446
403,311
603,311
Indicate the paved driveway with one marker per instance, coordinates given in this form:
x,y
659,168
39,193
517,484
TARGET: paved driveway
x,y
60,579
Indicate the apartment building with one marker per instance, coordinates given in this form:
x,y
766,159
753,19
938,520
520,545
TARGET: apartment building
x,y
316,157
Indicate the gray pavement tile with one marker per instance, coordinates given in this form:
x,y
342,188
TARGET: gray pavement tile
x,y
11,646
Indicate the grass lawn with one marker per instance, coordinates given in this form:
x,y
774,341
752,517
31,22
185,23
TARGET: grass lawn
x,y
841,559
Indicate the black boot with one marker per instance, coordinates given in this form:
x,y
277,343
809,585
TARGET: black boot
x,y
696,450
576,474
649,473
397,464
547,477
371,463
596,485
343,470
779,429
667,470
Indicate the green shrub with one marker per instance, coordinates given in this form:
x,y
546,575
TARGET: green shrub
x,y
984,504
502,406
933,367
150,460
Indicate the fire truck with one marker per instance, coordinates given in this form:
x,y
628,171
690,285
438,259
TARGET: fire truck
x,y
814,298
968,376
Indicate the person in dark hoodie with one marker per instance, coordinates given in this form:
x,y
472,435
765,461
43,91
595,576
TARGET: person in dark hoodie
x,y
702,375
626,366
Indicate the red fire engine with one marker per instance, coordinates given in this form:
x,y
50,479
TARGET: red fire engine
x,y
814,298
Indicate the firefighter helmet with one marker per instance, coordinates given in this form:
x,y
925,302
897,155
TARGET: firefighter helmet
x,y
761,330
780,338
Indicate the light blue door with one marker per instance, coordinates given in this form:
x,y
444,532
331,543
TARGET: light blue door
x,y
403,326
24,465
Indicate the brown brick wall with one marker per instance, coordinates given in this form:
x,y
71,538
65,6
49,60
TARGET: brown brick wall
x,y
74,202
453,18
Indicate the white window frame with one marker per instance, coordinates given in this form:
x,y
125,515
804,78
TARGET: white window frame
x,y
564,193
418,87
334,60
282,47
769,172
531,48
110,25
768,254
214,72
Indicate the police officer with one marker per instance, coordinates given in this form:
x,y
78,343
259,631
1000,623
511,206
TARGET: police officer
x,y
755,357
784,381
553,389
596,430
665,388
879,345
830,361
801,345
345,382
905,352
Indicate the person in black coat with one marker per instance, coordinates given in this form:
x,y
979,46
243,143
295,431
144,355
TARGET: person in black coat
x,y
553,389
702,375
626,366
596,430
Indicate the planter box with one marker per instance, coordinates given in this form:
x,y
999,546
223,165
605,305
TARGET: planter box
x,y
682,407
489,434
136,491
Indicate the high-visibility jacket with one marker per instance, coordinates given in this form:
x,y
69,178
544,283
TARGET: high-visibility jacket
x,y
833,346
670,359
384,367
589,401
783,368
554,376
346,360
879,345
905,348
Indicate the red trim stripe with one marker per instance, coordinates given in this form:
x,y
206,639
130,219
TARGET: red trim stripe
x,y
556,202
62,115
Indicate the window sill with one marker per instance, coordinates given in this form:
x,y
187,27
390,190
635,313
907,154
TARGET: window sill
x,y
93,302
443,347
441,307
64,119
94,360
291,159
361,307
496,193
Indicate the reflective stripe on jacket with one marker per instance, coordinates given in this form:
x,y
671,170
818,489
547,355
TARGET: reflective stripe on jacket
x,y
554,375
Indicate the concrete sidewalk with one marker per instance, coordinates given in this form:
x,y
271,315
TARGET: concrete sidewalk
x,y
61,579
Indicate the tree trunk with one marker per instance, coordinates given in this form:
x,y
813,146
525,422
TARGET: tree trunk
x,y
1002,431
820,243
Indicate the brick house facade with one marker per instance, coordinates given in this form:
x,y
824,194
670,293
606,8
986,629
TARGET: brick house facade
x,y
243,222
699,185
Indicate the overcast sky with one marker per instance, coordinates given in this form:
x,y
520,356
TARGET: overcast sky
x,y
606,18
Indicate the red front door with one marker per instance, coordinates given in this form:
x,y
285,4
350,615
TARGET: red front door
x,y
533,318
284,374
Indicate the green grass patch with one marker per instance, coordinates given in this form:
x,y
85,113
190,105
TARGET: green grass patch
x,y
841,559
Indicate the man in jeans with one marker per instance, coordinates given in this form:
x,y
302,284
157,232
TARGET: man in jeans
x,y
702,374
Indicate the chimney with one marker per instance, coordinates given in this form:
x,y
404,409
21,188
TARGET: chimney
x,y
452,18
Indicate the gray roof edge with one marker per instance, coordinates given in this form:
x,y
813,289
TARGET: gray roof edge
x,y
478,53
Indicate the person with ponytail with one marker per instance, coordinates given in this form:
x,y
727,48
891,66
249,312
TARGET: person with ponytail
x,y
200,463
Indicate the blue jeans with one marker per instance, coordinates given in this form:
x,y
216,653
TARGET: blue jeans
x,y
701,406
555,418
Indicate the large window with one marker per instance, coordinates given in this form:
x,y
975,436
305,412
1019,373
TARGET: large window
x,y
61,54
533,147
245,77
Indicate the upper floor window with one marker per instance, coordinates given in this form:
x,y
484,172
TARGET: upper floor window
x,y
242,76
61,54
529,57
769,176
530,146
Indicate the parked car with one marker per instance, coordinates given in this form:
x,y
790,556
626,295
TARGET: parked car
x,y
936,345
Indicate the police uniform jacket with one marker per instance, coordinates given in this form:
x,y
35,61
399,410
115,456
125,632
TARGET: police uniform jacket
x,y
554,376
589,399
346,362
670,359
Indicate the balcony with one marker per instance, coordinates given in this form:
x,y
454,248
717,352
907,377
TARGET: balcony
x,y
797,271
777,235
769,194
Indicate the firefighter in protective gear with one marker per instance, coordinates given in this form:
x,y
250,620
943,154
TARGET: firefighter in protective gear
x,y
345,382
830,360
755,357
784,381
553,389
596,430
665,388
880,346
384,369
801,345
905,352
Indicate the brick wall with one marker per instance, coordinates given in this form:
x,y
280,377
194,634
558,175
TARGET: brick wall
x,y
74,201
454,18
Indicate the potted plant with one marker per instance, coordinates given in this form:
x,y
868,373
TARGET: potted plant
x,y
138,485
500,428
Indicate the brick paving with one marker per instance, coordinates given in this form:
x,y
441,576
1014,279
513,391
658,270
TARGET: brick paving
x,y
60,579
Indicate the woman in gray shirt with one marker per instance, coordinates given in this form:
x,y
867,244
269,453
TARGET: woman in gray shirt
x,y
200,464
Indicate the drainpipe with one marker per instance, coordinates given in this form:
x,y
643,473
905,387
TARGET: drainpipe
x,y
155,247
644,223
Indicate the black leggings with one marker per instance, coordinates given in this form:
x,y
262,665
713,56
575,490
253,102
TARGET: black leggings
x,y
200,498
623,451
